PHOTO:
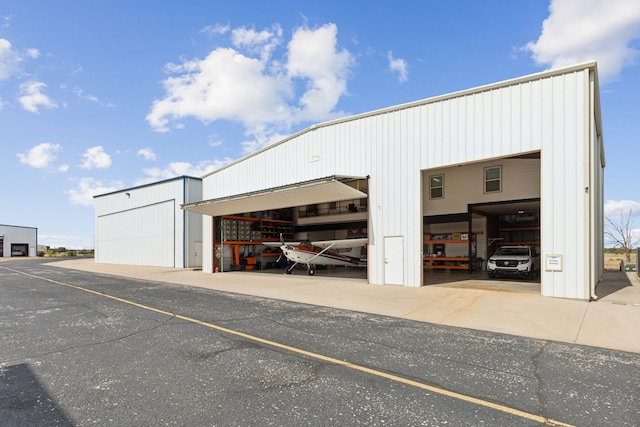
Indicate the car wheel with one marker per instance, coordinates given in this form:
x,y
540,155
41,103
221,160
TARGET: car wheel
x,y
532,274
492,276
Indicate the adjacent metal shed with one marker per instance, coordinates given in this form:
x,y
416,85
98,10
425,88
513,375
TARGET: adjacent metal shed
x,y
553,117
145,226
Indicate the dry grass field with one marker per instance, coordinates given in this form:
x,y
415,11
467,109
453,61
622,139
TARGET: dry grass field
x,y
612,260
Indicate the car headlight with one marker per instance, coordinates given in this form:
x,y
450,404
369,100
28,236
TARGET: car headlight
x,y
491,261
523,261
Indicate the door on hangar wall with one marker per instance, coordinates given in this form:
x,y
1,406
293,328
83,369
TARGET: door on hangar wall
x,y
140,236
393,260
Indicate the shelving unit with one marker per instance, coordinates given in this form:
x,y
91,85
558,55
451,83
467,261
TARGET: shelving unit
x,y
519,229
272,228
244,237
434,258
447,263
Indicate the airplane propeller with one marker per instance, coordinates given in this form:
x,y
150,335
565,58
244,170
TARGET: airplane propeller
x,y
284,247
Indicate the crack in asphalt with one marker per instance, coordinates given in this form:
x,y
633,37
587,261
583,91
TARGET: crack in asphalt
x,y
535,360
93,344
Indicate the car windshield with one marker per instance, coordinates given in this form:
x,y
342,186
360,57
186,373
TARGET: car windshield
x,y
512,251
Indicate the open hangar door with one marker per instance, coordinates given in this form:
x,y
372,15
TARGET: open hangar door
x,y
469,210
458,246
247,228
509,223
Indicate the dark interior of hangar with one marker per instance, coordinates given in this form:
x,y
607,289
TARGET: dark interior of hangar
x,y
253,241
451,256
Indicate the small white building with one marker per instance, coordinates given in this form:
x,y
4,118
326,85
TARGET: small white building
x,y
145,225
454,176
17,241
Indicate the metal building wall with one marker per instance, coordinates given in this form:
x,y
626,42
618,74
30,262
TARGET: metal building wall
x,y
566,208
145,225
547,112
14,234
192,191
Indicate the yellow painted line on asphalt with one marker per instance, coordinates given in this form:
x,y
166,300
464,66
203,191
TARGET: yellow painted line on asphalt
x,y
396,378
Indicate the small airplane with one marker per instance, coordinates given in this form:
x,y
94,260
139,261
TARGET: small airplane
x,y
321,253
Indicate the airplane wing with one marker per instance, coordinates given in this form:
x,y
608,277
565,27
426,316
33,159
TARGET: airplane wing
x,y
278,244
343,243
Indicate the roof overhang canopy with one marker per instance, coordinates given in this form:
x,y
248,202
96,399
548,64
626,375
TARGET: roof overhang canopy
x,y
325,190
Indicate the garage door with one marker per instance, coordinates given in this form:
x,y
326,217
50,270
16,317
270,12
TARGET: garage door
x,y
142,236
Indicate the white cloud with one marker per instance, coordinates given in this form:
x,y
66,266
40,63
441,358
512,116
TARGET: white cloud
x,y
262,43
95,157
147,153
89,187
33,53
80,94
616,207
92,98
399,66
226,85
40,156
214,30
578,31
77,70
314,58
214,141
181,168
9,60
31,97
247,86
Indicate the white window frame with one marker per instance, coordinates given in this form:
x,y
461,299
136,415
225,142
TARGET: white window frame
x,y
493,180
441,187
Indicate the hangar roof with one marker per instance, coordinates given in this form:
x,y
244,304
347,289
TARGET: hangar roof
x,y
324,190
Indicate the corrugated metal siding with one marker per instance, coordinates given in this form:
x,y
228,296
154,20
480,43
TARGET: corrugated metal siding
x,y
563,217
192,225
392,147
491,124
141,236
155,209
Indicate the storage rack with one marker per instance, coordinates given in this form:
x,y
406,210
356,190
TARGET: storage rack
x,y
516,229
245,236
433,260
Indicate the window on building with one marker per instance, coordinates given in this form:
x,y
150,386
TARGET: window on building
x,y
493,179
436,187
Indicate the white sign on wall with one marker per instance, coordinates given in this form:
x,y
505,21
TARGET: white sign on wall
x,y
554,263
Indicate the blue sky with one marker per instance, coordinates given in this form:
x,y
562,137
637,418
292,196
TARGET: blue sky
x,y
103,95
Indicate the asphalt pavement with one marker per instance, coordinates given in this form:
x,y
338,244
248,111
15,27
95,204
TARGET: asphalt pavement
x,y
135,346
514,308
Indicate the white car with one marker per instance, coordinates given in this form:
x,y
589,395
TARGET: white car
x,y
514,261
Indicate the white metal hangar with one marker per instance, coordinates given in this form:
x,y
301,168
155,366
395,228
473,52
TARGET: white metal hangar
x,y
17,241
145,226
434,184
